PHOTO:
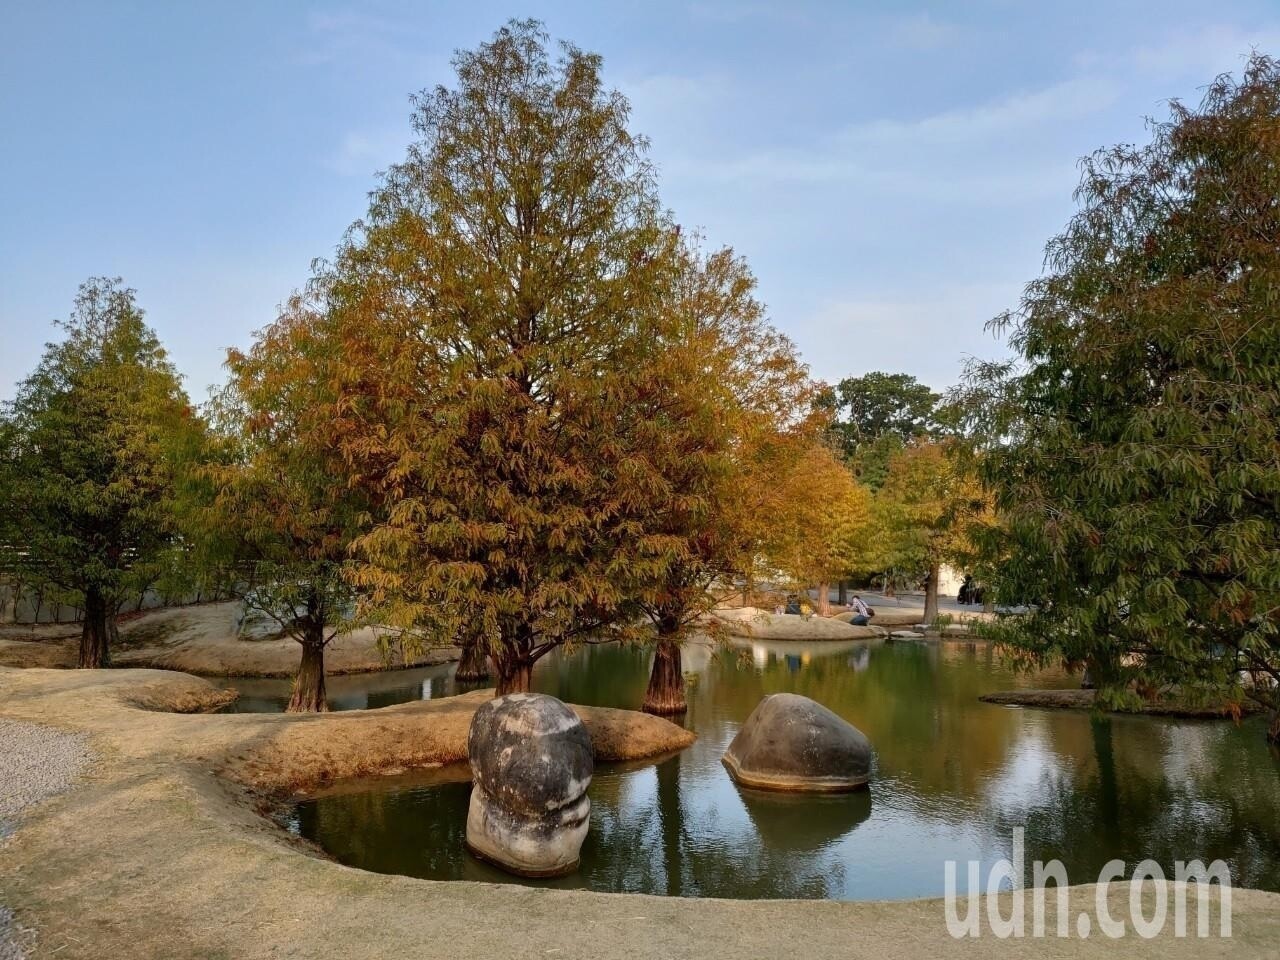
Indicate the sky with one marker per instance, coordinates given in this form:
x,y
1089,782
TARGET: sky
x,y
891,171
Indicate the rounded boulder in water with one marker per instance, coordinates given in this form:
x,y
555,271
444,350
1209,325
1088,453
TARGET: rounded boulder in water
x,y
796,744
531,764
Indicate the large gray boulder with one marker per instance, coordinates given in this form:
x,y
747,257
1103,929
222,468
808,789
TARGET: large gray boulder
x,y
793,743
531,764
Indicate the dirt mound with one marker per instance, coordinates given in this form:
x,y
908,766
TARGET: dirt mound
x,y
278,752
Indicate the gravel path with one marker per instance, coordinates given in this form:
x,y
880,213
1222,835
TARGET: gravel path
x,y
9,949
35,762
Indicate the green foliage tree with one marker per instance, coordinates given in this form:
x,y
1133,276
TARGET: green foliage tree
x,y
91,455
493,309
928,512
875,416
1135,456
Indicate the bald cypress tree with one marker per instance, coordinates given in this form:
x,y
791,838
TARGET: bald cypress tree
x,y
492,310
91,450
716,387
278,513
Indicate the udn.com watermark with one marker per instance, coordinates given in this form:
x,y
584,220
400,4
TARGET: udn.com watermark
x,y
1148,915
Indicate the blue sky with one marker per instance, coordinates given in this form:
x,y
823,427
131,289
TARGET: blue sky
x,y
890,170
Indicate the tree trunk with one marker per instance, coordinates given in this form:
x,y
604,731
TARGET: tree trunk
x,y
1101,671
308,687
842,595
514,665
824,599
665,695
98,631
931,594
474,665
514,675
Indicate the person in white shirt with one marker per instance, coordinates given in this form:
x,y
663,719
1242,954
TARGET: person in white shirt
x,y
861,613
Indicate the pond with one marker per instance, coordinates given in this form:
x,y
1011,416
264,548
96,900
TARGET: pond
x,y
953,778
355,691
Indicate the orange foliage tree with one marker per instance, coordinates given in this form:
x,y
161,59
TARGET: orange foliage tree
x,y
715,391
816,527
497,313
280,517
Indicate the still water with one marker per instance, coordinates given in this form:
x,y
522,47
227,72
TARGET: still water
x,y
357,691
953,778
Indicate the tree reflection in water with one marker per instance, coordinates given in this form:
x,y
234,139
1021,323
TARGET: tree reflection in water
x,y
953,778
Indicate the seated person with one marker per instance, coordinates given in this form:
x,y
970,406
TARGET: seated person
x,y
861,612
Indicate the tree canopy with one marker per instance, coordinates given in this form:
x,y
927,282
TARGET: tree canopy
x,y
1135,458
927,512
728,399
716,388
90,455
493,310
279,514
877,414
821,529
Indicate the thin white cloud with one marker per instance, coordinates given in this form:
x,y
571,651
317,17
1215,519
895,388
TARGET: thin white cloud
x,y
1068,100
923,31
350,23
335,36
971,182
674,91
905,153
356,38
1202,53
743,12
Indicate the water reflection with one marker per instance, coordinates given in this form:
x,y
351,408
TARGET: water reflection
x,y
361,691
953,777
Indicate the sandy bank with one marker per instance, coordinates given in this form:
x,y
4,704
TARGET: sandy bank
x,y
358,743
152,855
152,710
202,640
1084,700
761,625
